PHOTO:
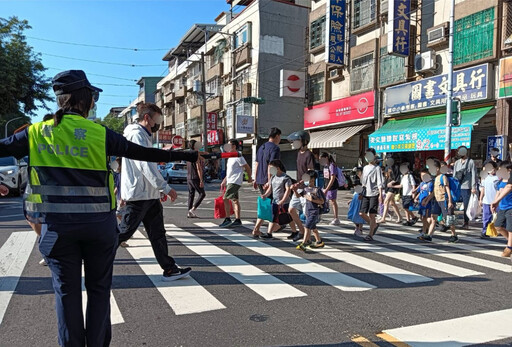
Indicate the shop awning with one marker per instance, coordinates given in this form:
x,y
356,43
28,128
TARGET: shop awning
x,y
334,137
425,133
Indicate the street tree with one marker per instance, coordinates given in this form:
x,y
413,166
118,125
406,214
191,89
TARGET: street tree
x,y
23,86
112,122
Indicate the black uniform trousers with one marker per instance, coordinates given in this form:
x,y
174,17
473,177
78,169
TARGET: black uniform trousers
x,y
150,213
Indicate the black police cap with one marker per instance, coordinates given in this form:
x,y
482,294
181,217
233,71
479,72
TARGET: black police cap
x,y
67,81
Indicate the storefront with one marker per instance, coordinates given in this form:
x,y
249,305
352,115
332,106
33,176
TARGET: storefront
x,y
341,127
416,117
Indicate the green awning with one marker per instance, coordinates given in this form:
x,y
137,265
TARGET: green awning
x,y
425,133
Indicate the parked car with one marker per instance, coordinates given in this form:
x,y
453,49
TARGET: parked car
x,y
175,172
13,174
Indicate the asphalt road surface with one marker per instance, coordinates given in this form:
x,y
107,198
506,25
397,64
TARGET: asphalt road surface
x,y
246,292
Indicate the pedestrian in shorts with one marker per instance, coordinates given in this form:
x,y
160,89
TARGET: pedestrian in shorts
x,y
373,185
502,204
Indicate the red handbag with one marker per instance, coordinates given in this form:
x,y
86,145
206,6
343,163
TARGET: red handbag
x,y
219,211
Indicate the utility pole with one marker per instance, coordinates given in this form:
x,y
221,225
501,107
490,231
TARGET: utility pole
x,y
449,96
203,106
233,91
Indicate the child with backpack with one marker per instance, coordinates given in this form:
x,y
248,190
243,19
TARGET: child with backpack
x,y
333,179
315,204
280,189
424,199
487,195
445,192
408,186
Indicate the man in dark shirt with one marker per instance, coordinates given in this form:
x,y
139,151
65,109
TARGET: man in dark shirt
x,y
266,153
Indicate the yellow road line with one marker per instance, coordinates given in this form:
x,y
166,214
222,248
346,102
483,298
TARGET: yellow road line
x,y
392,340
362,341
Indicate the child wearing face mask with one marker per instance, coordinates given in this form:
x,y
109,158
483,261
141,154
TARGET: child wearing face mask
x,y
280,188
315,198
425,193
488,194
503,205
408,186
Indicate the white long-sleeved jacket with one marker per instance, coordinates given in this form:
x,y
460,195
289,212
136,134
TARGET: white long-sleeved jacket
x,y
140,180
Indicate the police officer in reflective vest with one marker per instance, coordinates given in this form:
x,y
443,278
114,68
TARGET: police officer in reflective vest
x,y
72,196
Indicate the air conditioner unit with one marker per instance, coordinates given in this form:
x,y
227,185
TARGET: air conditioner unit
x,y
425,61
384,6
336,74
438,35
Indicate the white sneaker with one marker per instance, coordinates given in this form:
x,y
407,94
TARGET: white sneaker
x,y
335,221
191,214
358,232
43,262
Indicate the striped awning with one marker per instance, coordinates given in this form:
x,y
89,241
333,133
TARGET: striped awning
x,y
334,137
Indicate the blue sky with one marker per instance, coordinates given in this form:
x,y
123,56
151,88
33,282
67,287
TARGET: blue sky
x,y
142,24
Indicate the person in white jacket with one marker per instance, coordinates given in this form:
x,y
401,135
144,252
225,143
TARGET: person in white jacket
x,y
141,184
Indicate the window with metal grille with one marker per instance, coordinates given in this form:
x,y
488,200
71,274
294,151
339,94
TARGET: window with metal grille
x,y
392,68
364,12
214,87
317,33
244,109
316,88
362,74
473,38
508,25
182,107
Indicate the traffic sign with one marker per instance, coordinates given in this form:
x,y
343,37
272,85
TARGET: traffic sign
x,y
177,141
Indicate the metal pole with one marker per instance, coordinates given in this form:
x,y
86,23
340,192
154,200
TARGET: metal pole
x,y
233,92
203,106
9,122
449,96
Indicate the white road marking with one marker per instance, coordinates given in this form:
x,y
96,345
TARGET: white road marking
x,y
402,256
13,215
469,330
185,296
324,274
262,283
13,258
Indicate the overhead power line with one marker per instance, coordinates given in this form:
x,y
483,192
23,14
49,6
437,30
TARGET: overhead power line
x,y
100,46
99,75
101,62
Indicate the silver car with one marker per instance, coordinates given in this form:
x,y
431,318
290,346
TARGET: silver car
x,y
175,172
13,174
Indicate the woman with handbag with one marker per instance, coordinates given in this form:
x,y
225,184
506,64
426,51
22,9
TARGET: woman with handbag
x,y
280,188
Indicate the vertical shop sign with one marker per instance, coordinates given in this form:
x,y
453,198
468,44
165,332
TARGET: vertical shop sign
x,y
335,32
399,23
496,141
211,121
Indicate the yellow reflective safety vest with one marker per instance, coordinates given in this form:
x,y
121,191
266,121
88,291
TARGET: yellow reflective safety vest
x,y
69,176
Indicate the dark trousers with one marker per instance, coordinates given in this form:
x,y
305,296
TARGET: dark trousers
x,y
465,194
64,247
193,186
486,217
150,213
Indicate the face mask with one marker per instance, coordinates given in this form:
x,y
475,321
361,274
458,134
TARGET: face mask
x,y
426,178
494,153
369,157
156,127
297,144
273,170
306,184
444,170
390,162
432,171
462,152
198,145
358,189
324,162
404,170
483,174
114,165
92,112
305,178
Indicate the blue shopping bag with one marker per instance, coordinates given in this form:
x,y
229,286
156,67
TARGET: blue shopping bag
x,y
353,210
264,209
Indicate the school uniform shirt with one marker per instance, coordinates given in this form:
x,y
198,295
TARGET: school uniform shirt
x,y
329,170
235,170
313,208
407,183
490,189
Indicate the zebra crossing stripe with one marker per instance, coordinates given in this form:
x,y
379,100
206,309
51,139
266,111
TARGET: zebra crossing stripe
x,y
115,314
262,283
324,274
402,256
13,258
185,296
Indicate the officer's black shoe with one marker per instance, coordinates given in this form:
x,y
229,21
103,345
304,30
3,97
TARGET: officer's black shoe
x,y
176,274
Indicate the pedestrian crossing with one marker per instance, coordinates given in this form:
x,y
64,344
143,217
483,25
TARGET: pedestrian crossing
x,y
394,256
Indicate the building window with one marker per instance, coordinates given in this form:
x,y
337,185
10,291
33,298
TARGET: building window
x,y
180,129
182,107
473,38
316,88
214,87
244,109
392,68
242,36
362,75
365,12
195,71
317,33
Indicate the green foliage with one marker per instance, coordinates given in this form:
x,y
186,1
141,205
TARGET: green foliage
x,y
23,85
112,122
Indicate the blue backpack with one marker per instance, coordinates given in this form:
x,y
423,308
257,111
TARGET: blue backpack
x,y
454,187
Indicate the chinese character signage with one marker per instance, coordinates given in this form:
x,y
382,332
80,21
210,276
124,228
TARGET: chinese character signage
x,y
431,139
245,124
211,121
505,78
399,22
335,32
164,136
497,141
471,84
215,137
353,108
